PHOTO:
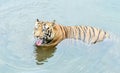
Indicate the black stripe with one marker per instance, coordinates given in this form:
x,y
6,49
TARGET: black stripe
x,y
79,32
86,29
90,35
65,31
50,33
61,28
84,33
93,30
97,36
72,32
104,34
76,28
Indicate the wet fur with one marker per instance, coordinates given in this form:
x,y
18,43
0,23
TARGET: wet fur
x,y
85,33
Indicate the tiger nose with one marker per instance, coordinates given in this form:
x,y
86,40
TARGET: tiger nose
x,y
37,36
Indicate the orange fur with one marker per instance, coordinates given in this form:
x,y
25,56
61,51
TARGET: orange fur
x,y
59,32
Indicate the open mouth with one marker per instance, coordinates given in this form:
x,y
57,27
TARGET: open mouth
x,y
42,41
38,42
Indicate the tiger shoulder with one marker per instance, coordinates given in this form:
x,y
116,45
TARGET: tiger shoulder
x,y
51,33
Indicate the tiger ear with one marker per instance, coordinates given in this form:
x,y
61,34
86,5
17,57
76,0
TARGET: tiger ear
x,y
37,20
53,23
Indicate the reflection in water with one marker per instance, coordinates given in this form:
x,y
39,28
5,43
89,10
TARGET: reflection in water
x,y
42,54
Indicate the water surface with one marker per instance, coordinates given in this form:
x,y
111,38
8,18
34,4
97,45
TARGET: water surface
x,y
19,55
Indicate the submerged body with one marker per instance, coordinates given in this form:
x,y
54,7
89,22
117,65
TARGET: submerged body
x,y
50,34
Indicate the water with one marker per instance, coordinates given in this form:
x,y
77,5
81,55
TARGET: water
x,y
19,55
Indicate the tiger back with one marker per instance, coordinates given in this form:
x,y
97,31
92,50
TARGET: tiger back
x,y
51,34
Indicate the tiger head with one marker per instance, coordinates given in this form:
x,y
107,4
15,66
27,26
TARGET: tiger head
x,y
44,32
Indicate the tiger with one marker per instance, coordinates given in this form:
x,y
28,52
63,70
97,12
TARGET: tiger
x,y
50,34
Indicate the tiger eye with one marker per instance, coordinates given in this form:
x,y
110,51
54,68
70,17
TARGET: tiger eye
x,y
48,28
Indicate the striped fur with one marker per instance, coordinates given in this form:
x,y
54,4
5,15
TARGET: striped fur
x,y
85,33
55,33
